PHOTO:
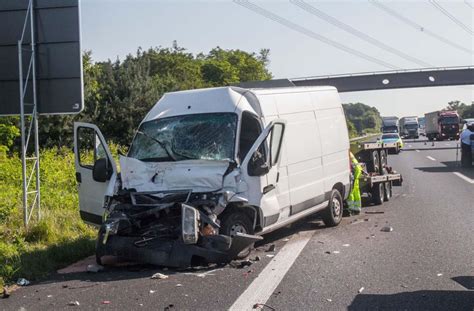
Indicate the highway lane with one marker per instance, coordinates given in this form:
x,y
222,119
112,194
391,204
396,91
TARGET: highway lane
x,y
422,264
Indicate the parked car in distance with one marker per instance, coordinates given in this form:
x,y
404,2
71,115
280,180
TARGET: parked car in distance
x,y
392,138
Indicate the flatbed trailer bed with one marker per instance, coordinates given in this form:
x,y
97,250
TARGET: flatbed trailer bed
x,y
378,178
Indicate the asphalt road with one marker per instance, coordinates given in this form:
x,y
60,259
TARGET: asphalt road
x,y
425,263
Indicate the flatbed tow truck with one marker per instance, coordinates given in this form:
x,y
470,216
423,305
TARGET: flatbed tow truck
x,y
378,177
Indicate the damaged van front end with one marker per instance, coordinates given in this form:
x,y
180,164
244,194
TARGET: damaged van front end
x,y
175,229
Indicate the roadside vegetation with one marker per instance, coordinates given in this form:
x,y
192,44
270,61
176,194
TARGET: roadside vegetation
x,y
362,119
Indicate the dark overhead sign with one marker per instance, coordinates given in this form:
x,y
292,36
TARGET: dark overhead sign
x,y
58,56
379,80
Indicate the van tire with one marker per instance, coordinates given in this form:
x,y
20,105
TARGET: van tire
x,y
332,214
378,194
237,221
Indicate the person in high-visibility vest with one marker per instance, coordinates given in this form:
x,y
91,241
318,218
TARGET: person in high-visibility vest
x,y
354,202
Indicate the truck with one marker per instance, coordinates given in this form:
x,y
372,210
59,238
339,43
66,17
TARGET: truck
x,y
441,125
409,127
390,124
210,171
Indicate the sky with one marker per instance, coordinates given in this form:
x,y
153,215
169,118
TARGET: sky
x,y
115,28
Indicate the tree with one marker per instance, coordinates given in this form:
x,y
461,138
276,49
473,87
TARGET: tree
x,y
362,118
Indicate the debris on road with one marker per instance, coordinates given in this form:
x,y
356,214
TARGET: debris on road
x,y
404,286
439,274
106,302
346,245
361,290
5,293
270,255
320,242
49,296
387,229
22,282
333,252
169,307
286,240
261,306
257,258
179,285
94,268
327,252
159,276
271,248
328,299
152,291
374,212
73,303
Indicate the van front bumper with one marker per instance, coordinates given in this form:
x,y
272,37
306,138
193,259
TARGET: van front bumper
x,y
175,253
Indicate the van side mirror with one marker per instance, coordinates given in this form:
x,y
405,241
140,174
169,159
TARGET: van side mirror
x,y
102,171
258,166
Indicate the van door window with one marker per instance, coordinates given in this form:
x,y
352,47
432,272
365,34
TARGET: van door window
x,y
249,131
275,143
90,147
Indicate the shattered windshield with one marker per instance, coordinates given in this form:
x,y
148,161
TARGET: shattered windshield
x,y
189,137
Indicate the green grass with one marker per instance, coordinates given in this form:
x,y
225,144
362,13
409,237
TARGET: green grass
x,y
59,238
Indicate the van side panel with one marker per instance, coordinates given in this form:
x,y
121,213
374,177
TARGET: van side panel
x,y
303,147
334,138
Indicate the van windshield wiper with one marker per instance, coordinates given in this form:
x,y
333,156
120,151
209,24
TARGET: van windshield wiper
x,y
162,144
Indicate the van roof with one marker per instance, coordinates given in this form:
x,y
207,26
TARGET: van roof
x,y
217,99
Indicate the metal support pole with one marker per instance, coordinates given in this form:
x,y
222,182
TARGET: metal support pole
x,y
22,129
35,109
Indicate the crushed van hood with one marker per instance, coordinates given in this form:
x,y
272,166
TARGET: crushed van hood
x,y
195,175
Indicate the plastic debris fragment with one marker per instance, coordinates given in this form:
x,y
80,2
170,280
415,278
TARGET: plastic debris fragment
x,y
22,282
159,276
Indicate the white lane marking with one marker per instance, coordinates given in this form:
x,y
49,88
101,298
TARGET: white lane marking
x,y
431,158
260,290
469,180
410,146
417,150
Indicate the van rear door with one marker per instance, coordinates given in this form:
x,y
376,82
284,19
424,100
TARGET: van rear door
x,y
95,171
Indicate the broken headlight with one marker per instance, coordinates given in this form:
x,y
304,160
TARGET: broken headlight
x,y
190,217
110,228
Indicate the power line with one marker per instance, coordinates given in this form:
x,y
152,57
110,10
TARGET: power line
x,y
451,17
469,4
419,27
278,19
361,35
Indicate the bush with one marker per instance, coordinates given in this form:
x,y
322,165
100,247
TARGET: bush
x,y
60,238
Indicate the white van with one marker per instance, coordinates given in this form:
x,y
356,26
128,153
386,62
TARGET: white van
x,y
210,170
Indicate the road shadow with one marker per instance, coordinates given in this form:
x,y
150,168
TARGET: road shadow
x,y
465,281
450,167
433,148
310,223
417,300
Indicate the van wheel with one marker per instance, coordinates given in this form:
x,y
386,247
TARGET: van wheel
x,y
332,215
378,194
237,222
388,191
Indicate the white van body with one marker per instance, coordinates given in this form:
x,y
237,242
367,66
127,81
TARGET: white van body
x,y
313,160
